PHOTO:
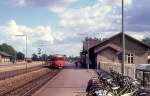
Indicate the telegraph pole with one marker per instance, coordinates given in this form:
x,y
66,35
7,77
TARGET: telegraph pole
x,y
123,40
88,52
26,51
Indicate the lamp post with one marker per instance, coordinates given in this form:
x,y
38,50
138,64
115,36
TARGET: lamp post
x,y
123,41
88,49
24,35
15,57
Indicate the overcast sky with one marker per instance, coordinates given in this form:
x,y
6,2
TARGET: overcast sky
x,y
56,25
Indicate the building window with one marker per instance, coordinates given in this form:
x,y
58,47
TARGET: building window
x,y
148,58
129,58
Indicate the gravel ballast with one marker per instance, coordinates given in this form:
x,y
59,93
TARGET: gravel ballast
x,y
10,84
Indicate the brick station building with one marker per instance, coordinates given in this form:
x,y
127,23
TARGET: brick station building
x,y
110,51
4,57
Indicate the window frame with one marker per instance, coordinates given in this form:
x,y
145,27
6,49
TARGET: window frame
x,y
130,58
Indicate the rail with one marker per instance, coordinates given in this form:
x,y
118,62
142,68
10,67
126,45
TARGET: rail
x,y
31,87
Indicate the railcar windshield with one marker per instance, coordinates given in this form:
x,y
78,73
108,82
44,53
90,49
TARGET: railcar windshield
x,y
58,58
52,58
49,59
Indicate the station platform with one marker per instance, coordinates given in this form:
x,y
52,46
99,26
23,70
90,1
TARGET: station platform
x,y
69,82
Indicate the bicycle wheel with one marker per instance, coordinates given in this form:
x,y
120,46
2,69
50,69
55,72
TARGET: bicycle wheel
x,y
98,92
91,91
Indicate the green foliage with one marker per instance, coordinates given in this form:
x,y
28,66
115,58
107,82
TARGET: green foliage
x,y
8,49
20,56
44,57
146,41
34,57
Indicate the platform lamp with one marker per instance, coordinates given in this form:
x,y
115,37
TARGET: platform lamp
x,y
24,35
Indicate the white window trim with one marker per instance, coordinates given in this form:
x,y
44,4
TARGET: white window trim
x,y
129,57
148,57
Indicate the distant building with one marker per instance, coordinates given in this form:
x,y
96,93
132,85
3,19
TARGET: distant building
x,y
87,43
4,57
110,51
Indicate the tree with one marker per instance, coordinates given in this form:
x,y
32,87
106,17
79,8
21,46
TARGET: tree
x,y
20,56
44,57
34,57
146,41
9,50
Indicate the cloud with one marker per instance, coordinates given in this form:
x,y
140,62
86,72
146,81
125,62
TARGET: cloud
x,y
66,48
137,16
39,33
39,37
53,5
137,35
44,3
116,2
98,17
103,17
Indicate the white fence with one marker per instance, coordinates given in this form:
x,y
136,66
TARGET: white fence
x,y
129,69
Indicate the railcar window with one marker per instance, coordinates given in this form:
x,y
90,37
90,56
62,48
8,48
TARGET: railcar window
x,y
139,75
49,59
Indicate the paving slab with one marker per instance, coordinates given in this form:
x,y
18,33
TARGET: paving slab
x,y
69,82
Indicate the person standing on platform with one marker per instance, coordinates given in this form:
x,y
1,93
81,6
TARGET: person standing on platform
x,y
76,63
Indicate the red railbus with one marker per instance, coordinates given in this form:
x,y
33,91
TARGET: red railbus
x,y
56,61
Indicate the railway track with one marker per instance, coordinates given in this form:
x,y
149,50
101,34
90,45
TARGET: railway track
x,y
29,88
8,74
